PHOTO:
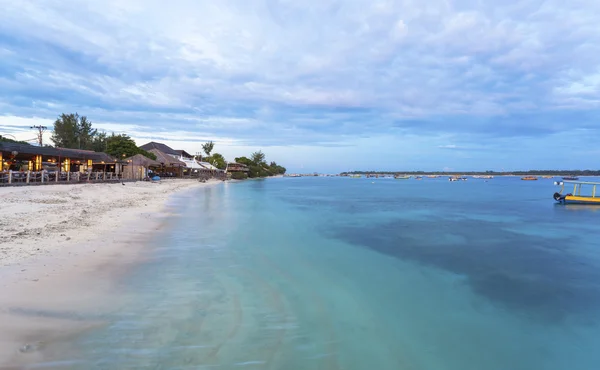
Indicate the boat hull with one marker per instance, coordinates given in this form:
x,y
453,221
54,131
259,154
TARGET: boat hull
x,y
572,199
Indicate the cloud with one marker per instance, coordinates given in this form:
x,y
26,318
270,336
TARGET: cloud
x,y
318,73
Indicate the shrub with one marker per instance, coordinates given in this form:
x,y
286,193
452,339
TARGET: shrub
x,y
239,176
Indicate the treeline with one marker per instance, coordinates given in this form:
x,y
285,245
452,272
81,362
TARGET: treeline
x,y
9,140
493,173
256,164
76,132
258,167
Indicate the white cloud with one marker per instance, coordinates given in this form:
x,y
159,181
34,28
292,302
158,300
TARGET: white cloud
x,y
225,68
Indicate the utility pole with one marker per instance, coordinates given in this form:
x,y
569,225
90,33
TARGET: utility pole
x,y
40,134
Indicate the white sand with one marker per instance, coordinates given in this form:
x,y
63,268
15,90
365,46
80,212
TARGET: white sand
x,y
61,248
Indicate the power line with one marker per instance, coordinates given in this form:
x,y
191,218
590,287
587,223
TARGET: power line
x,y
40,134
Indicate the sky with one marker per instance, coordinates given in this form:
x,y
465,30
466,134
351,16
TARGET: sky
x,y
317,85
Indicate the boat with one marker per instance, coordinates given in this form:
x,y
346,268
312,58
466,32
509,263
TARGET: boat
x,y
356,176
570,178
457,178
419,178
575,197
483,177
547,177
529,178
404,177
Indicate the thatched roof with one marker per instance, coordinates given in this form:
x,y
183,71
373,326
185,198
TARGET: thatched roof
x,y
140,160
27,149
159,146
166,159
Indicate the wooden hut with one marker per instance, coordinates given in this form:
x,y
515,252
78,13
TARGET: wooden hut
x,y
169,166
138,167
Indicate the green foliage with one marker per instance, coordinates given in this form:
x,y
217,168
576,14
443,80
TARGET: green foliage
x,y
122,146
208,148
276,169
99,142
257,166
258,158
217,160
239,176
73,131
243,160
4,139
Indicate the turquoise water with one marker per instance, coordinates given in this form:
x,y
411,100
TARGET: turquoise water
x,y
339,273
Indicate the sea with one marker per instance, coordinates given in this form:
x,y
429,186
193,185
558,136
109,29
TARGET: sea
x,y
340,273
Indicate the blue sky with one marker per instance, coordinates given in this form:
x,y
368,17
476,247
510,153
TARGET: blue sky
x,y
318,85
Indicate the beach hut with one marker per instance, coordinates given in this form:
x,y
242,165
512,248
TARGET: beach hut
x,y
169,166
138,167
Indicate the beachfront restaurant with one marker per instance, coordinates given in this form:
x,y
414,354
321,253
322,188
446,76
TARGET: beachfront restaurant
x,y
169,165
24,163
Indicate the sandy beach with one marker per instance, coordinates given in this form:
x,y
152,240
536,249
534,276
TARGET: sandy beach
x,y
61,248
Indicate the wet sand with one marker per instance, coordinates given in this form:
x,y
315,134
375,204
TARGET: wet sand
x,y
62,251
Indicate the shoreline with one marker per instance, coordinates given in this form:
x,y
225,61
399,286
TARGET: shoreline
x,y
62,250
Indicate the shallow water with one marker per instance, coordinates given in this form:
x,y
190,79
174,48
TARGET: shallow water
x,y
340,273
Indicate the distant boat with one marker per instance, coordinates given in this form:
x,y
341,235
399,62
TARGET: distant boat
x,y
529,178
483,177
355,176
571,178
457,178
419,178
405,177
547,177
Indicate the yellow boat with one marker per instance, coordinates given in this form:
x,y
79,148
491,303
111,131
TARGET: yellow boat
x,y
576,197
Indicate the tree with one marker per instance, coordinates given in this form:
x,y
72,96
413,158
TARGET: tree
x,y
244,160
4,139
217,160
208,147
121,146
276,169
73,131
258,157
99,142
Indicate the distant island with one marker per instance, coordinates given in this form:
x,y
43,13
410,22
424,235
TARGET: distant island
x,y
476,173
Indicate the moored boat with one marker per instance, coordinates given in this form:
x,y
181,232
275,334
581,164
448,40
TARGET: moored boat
x,y
404,177
529,178
576,197
570,178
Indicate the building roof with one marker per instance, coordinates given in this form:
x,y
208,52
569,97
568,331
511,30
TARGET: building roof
x,y
140,160
160,146
183,153
165,159
55,152
208,166
233,166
